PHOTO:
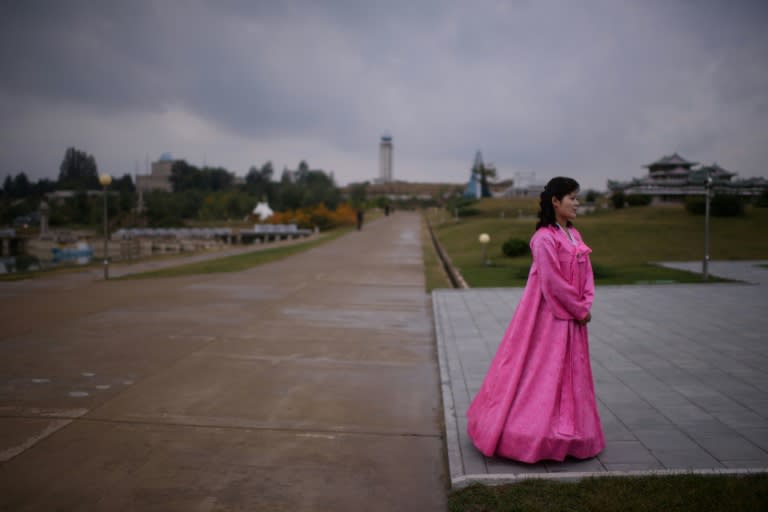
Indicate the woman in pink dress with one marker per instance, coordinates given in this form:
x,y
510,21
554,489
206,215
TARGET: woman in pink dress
x,y
538,398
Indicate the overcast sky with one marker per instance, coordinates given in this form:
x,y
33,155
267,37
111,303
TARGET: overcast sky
x,y
550,87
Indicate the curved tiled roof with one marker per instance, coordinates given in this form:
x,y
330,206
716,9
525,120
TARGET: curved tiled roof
x,y
672,160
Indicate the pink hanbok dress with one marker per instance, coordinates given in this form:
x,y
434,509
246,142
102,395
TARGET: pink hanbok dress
x,y
538,398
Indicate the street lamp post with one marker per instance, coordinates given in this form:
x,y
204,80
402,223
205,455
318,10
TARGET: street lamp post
x,y
707,194
484,238
105,179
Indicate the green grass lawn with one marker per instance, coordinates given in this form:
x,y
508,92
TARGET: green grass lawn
x,y
678,493
624,242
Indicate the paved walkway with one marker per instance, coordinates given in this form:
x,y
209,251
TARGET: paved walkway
x,y
309,383
681,375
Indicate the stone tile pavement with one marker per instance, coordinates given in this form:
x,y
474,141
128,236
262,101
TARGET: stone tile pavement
x,y
681,375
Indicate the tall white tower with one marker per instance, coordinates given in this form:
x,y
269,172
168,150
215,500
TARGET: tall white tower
x,y
385,159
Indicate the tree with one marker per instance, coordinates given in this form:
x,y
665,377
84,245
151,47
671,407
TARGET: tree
x,y
258,182
21,185
78,171
124,184
8,186
302,171
591,196
216,178
318,187
42,187
267,170
618,199
210,179
184,176
358,193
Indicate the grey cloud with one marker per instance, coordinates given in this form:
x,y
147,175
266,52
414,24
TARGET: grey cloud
x,y
596,89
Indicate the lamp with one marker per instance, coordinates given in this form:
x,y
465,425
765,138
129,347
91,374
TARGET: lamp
x,y
484,238
707,194
105,179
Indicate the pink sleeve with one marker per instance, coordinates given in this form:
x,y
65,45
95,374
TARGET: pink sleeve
x,y
589,286
562,297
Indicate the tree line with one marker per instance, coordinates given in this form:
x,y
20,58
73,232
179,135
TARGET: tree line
x,y
199,194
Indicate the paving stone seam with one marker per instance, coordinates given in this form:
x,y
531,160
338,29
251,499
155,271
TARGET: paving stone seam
x,y
455,459
687,371
671,329
312,360
442,382
366,433
693,355
52,428
653,451
733,397
501,479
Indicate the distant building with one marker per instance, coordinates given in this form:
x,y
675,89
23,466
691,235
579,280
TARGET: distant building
x,y
159,178
672,178
524,185
385,159
401,190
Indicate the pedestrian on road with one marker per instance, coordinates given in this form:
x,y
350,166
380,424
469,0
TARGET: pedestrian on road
x,y
359,219
537,400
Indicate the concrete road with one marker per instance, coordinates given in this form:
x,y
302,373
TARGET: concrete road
x,y
306,384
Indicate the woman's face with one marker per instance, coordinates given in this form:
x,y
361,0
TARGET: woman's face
x,y
566,208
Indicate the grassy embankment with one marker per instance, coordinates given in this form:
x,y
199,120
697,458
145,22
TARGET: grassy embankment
x,y
434,274
680,493
624,242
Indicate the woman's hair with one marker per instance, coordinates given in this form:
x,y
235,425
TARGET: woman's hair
x,y
557,187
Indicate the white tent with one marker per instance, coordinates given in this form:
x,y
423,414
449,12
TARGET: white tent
x,y
263,210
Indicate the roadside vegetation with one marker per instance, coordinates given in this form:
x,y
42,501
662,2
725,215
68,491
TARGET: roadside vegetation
x,y
434,273
678,493
625,242
239,262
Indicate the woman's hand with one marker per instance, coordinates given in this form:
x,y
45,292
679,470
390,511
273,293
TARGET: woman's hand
x,y
585,320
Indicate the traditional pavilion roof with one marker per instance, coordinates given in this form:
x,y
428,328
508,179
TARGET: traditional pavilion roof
x,y
673,176
717,173
679,171
716,170
673,160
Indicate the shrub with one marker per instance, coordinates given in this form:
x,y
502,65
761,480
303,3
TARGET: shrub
x,y
316,216
762,199
727,205
695,205
721,205
464,205
638,200
515,247
618,199
522,272
468,211
602,271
